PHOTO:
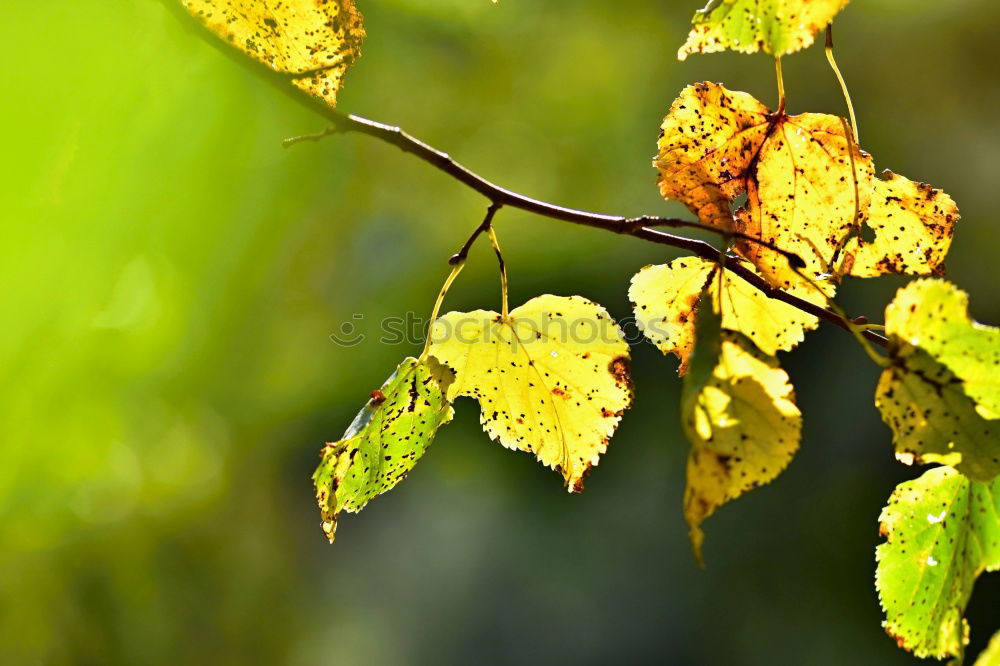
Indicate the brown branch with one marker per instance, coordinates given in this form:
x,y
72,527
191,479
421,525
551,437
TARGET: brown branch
x,y
484,226
640,227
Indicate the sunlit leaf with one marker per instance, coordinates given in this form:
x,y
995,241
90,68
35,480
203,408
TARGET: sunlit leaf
x,y
739,413
809,190
798,172
385,440
991,655
313,41
912,224
778,27
934,315
942,530
940,393
664,299
932,418
551,379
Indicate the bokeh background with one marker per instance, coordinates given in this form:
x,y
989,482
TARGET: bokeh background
x,y
171,277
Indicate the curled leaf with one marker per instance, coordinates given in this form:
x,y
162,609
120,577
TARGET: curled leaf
x,y
551,379
313,41
385,440
942,530
664,298
778,27
739,413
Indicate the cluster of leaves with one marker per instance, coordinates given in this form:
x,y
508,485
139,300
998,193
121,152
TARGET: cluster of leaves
x,y
801,184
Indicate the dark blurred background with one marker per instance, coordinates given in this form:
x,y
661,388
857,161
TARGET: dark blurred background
x,y
171,277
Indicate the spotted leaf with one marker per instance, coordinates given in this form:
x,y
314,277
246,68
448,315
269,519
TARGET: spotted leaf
x,y
739,413
385,440
778,27
807,183
664,299
942,530
552,378
313,41
934,315
809,190
940,393
912,225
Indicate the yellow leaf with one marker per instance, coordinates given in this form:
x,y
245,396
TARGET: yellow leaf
x,y
665,296
940,393
806,181
744,427
934,315
912,223
991,655
708,141
932,418
314,41
551,379
778,27
810,190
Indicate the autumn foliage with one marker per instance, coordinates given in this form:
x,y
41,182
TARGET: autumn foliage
x,y
801,208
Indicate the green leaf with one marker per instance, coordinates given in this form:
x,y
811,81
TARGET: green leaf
x,y
552,378
778,27
942,530
385,440
940,393
739,413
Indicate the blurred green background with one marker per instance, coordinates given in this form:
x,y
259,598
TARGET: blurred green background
x,y
171,277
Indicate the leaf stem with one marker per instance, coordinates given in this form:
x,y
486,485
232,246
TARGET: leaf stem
x,y
503,273
781,86
840,78
456,268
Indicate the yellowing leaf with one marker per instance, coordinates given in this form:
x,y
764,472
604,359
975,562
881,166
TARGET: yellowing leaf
x,y
708,141
940,393
810,190
314,41
931,417
385,440
942,530
806,181
551,379
991,655
934,315
664,298
913,224
739,413
778,27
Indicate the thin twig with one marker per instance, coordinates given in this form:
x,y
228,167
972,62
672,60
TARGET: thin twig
x,y
639,227
462,254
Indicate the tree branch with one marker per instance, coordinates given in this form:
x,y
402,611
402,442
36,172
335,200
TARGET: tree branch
x,y
640,227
